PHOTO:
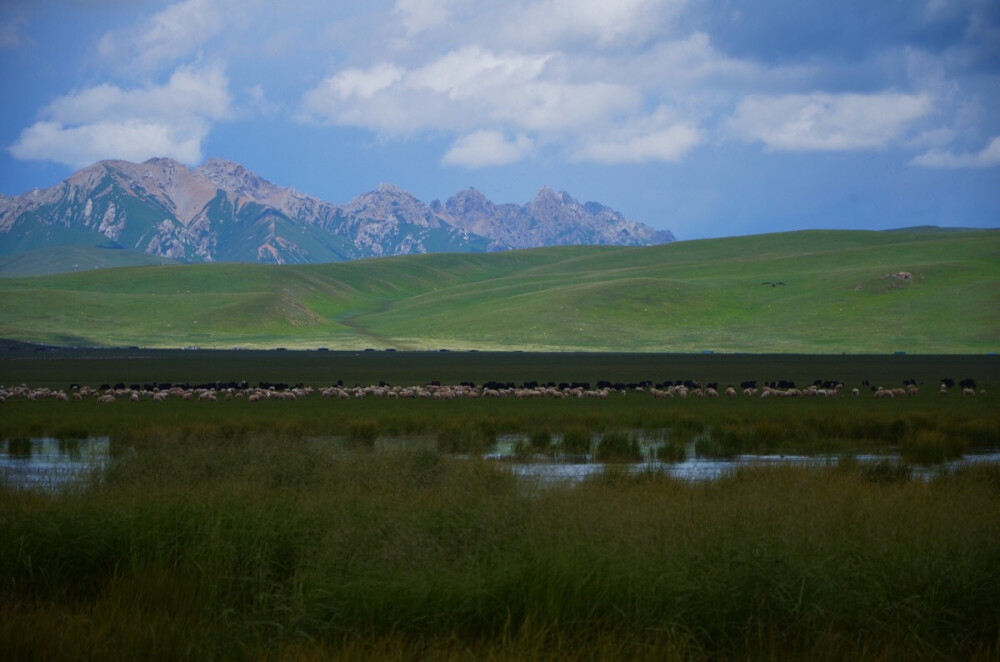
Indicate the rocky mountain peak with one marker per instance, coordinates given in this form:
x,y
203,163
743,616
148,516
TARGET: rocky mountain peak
x,y
389,203
233,177
163,207
161,162
547,194
469,200
385,188
557,207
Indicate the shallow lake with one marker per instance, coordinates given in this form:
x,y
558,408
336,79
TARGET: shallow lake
x,y
694,468
47,463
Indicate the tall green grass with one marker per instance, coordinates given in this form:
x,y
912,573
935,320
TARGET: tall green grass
x,y
924,429
240,546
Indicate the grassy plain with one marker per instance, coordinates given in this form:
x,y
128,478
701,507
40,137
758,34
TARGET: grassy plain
x,y
24,364
836,295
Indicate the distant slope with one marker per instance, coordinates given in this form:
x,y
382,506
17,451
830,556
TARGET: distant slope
x,y
73,257
817,292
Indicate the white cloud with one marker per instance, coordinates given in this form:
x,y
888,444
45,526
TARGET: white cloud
x,y
105,121
199,92
169,36
472,70
670,144
987,157
622,23
487,148
418,16
579,75
133,140
830,122
358,84
463,91
12,34
259,101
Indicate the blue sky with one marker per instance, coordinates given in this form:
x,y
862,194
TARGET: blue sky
x,y
709,119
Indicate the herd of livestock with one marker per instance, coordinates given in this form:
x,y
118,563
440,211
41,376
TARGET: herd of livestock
x,y
108,393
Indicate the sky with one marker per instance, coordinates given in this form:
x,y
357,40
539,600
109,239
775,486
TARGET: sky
x,y
707,118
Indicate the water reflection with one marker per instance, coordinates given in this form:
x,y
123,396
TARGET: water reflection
x,y
49,463
696,468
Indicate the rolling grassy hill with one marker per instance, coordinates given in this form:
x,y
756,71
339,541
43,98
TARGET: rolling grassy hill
x,y
836,295
73,257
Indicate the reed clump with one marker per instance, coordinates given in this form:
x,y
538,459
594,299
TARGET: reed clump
x,y
458,436
258,547
618,446
576,440
671,451
362,433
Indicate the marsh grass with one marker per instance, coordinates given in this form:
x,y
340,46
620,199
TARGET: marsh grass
x,y
806,425
465,437
20,447
362,433
315,530
541,440
576,440
232,543
671,451
618,446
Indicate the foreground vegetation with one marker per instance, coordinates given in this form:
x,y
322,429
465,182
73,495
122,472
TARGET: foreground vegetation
x,y
211,546
801,292
369,529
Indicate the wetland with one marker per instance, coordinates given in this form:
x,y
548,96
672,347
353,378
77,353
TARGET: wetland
x,y
394,528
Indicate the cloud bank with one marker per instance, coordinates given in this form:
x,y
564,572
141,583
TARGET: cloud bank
x,y
988,157
609,83
106,121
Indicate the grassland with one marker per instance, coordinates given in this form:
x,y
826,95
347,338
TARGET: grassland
x,y
73,257
836,296
321,529
23,364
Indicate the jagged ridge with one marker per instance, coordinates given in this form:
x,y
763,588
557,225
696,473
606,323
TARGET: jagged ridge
x,y
221,211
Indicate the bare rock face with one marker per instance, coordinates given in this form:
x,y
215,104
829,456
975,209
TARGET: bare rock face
x,y
551,219
221,211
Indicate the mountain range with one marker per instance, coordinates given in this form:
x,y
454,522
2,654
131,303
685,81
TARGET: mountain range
x,y
222,212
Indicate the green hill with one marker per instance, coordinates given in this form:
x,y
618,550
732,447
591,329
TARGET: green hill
x,y
73,257
808,292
